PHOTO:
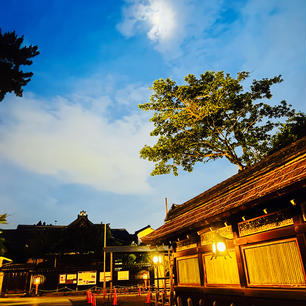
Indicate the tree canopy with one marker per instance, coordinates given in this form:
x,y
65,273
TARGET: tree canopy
x,y
289,132
212,117
12,56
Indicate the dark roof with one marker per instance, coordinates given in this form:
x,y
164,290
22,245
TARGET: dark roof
x,y
26,227
283,169
122,235
81,235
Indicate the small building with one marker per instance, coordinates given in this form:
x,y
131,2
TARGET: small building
x,y
243,242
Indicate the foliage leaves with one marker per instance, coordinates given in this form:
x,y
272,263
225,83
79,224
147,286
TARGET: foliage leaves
x,y
211,117
289,132
2,240
12,56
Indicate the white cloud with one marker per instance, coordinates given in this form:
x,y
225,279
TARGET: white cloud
x,y
132,94
75,144
158,15
160,19
169,23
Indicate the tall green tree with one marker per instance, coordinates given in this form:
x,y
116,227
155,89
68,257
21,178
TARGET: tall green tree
x,y
211,117
13,55
289,132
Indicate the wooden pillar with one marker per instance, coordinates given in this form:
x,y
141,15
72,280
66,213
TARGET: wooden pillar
x,y
242,275
170,277
111,271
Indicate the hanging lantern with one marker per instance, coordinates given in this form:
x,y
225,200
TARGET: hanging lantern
x,y
219,246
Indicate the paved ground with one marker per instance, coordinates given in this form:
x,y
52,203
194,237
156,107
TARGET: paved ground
x,y
72,300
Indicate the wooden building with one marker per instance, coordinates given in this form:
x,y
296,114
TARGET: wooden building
x,y
54,250
243,242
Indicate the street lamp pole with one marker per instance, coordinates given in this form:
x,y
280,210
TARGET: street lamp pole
x,y
157,260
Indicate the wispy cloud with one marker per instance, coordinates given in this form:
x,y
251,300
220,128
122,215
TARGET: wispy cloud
x,y
158,16
161,20
77,144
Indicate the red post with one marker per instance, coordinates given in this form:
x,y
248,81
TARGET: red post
x,y
93,300
115,298
89,297
148,297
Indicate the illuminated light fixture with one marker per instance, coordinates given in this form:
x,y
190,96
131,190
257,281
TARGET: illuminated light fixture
x,y
225,224
292,202
157,259
265,211
219,246
243,218
37,280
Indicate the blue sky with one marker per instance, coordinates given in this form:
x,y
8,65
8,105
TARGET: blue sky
x,y
72,142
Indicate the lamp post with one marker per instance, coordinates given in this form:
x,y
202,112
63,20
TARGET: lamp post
x,y
145,278
37,280
157,260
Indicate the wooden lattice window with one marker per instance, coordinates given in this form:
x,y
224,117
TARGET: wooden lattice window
x,y
188,270
221,270
274,264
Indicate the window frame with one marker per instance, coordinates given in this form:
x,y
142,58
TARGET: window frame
x,y
178,272
264,243
238,285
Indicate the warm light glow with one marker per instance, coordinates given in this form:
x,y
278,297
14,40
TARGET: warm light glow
x,y
292,202
157,259
214,248
145,276
37,280
221,247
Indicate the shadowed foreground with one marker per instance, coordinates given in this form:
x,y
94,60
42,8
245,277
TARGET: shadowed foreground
x,y
73,300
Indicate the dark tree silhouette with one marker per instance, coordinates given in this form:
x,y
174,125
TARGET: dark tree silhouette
x,y
12,56
289,132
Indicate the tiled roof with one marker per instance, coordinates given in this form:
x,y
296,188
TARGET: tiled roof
x,y
276,172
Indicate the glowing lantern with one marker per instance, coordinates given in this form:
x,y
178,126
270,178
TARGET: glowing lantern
x,y
219,247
